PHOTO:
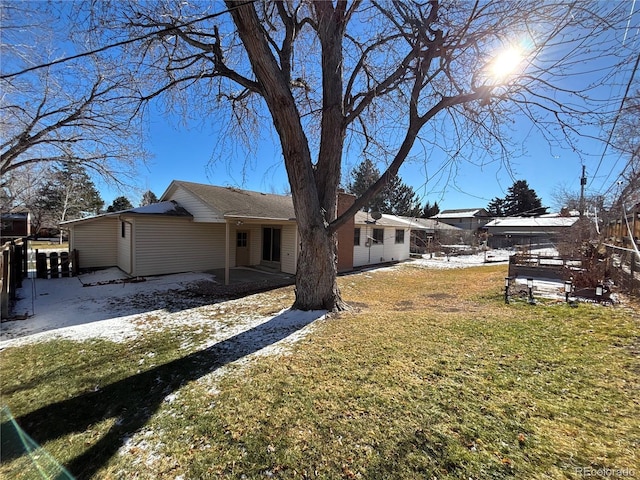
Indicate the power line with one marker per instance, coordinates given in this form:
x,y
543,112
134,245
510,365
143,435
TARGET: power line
x,y
615,122
121,43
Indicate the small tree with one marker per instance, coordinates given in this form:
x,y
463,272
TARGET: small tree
x,y
430,210
68,194
148,198
119,204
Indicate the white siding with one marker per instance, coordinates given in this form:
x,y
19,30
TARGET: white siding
x,y
95,242
378,253
173,245
201,212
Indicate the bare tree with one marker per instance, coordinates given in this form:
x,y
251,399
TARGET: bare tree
x,y
385,79
77,112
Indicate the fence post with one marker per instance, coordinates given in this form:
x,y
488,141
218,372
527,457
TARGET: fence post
x,y
53,261
16,265
632,277
4,285
64,264
41,265
25,257
75,262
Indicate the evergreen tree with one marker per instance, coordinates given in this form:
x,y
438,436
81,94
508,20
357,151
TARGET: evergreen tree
x,y
430,210
362,177
68,194
397,198
496,207
148,198
119,204
520,200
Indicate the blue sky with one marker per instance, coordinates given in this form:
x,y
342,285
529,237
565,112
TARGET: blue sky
x,y
185,152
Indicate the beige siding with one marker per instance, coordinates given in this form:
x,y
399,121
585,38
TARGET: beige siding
x,y
288,252
196,207
125,258
255,243
95,242
173,245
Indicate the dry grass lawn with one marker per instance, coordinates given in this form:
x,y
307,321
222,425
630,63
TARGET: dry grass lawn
x,y
430,376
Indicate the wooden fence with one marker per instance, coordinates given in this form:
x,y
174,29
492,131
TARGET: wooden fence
x,y
15,265
13,268
623,266
540,266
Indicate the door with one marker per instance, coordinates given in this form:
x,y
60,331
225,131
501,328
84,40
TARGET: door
x,y
271,245
242,248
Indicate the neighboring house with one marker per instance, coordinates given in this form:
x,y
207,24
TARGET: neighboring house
x,y
467,219
200,227
386,239
527,231
15,224
426,233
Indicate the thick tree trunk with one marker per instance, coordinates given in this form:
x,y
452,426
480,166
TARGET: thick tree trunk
x,y
316,285
314,198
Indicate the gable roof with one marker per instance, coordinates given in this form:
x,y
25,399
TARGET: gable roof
x,y
533,222
235,202
462,213
364,218
428,224
168,208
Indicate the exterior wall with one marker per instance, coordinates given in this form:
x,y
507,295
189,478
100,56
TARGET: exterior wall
x,y
173,245
95,242
345,234
200,211
289,249
15,225
379,253
255,243
124,244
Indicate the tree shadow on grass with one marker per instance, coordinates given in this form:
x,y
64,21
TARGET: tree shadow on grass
x,y
135,399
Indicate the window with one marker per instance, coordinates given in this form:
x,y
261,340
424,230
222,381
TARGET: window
x,y
378,235
123,229
241,239
356,236
399,236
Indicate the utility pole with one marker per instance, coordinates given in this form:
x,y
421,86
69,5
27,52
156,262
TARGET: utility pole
x,y
583,182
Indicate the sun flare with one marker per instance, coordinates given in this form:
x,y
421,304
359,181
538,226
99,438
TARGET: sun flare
x,y
506,62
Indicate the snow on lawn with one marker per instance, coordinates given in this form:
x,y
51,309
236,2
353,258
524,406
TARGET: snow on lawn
x,y
464,261
101,305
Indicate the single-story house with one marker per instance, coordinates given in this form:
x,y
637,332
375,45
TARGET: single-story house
x,y
527,231
468,219
198,227
381,240
14,224
426,233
